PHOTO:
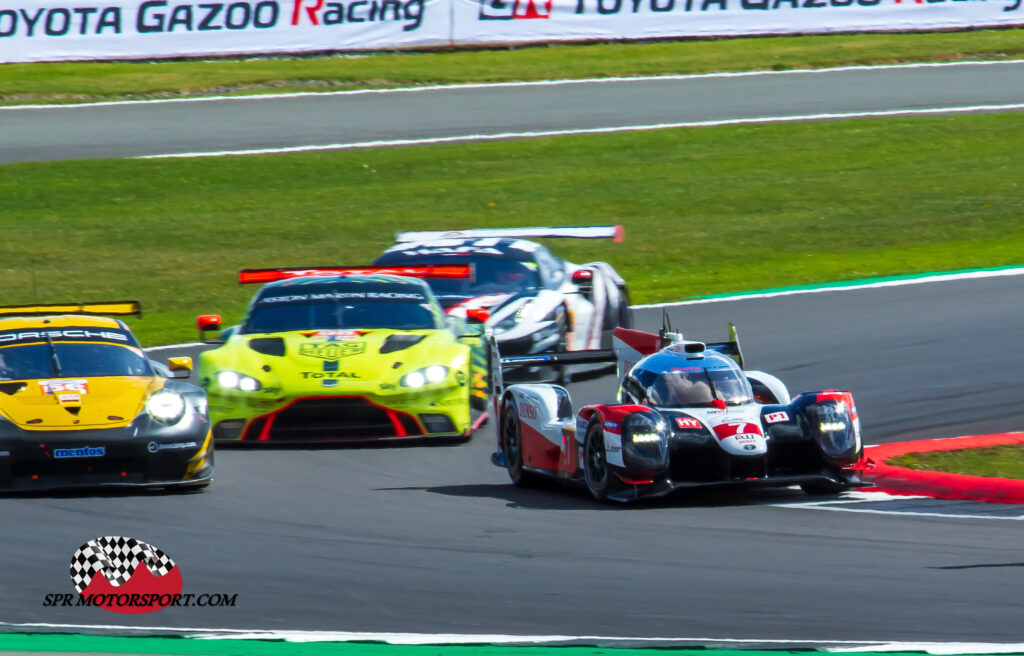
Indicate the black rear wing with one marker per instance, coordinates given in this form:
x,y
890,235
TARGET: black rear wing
x,y
618,356
499,365
730,348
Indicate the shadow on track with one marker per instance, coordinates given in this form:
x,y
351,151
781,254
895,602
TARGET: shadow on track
x,y
555,495
103,492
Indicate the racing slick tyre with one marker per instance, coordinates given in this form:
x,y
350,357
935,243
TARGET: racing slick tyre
x,y
512,444
562,371
822,489
625,313
597,472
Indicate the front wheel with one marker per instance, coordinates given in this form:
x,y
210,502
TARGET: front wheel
x,y
625,313
512,444
596,470
562,370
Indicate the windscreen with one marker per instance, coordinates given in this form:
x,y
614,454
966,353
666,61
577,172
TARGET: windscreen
x,y
492,275
71,359
676,389
400,311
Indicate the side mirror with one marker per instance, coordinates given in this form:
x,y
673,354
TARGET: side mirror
x,y
206,323
584,279
180,367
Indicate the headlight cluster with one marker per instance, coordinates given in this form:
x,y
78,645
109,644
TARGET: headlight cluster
x,y
166,406
644,441
510,322
233,380
435,373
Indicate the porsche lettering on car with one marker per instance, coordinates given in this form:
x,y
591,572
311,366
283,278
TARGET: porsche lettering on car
x,y
343,354
82,406
688,415
531,300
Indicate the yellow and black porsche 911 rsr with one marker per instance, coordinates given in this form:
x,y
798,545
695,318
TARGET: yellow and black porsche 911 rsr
x,y
82,406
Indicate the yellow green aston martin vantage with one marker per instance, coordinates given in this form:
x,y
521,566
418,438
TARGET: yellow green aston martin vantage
x,y
332,355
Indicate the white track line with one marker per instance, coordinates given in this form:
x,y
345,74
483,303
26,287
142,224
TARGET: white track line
x,y
941,277
534,83
606,130
173,346
471,638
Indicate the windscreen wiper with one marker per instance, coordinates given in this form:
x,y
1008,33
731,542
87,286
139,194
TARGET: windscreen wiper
x,y
53,354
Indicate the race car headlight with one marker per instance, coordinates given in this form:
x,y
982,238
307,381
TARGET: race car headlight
x,y
435,373
166,406
644,441
513,319
233,380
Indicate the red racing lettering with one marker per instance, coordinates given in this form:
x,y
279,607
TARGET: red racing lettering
x,y
310,11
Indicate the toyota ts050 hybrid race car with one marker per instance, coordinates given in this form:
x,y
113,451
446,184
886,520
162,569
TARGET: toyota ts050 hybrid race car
x,y
688,415
343,354
531,300
81,406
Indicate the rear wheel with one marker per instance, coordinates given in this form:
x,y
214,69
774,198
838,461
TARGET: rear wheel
x,y
596,470
512,444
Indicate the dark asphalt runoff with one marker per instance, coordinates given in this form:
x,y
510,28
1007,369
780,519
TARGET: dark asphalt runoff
x,y
435,539
153,128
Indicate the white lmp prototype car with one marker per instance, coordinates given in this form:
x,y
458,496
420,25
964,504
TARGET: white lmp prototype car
x,y
688,415
530,300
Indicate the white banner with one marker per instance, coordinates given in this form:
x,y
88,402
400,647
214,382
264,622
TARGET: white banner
x,y
119,29
489,21
53,30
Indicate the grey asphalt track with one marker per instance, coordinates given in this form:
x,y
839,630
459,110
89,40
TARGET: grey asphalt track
x,y
129,130
435,539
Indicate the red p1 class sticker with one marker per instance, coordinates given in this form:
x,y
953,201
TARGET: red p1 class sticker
x,y
776,417
125,575
741,430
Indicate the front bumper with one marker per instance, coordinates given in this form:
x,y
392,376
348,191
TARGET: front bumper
x,y
666,486
347,418
137,455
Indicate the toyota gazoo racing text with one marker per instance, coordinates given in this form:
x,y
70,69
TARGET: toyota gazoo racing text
x,y
82,406
342,354
688,415
531,300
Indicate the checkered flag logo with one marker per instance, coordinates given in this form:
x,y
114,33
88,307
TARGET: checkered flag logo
x,y
117,558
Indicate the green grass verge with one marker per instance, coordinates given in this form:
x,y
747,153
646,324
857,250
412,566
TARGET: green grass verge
x,y
706,211
68,82
1000,461
196,647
